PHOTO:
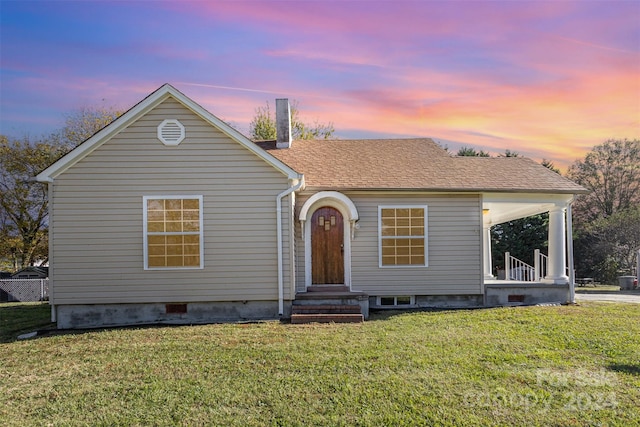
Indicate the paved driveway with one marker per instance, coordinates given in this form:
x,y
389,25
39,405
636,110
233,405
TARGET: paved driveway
x,y
622,296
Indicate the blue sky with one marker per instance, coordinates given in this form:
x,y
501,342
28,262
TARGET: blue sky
x,y
549,79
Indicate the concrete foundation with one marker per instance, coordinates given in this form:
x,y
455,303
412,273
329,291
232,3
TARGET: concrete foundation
x,y
104,315
449,301
525,294
434,301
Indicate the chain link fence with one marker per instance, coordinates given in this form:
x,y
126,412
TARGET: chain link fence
x,y
24,290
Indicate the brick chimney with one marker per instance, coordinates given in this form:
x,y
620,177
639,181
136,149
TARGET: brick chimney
x,y
283,123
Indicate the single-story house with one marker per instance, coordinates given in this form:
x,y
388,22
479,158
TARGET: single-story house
x,y
170,215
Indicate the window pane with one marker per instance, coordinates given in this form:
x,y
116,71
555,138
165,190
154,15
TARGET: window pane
x,y
175,261
402,250
387,301
403,231
389,260
154,227
157,240
191,261
417,248
403,222
403,260
192,239
170,220
402,213
155,261
388,213
174,215
174,240
191,225
173,204
155,216
155,205
417,231
156,250
388,226
191,204
191,215
403,300
191,249
417,260
173,227
174,250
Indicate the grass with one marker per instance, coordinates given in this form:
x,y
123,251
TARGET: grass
x,y
556,365
23,317
597,288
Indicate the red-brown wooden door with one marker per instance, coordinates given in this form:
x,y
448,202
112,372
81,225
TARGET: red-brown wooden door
x,y
327,243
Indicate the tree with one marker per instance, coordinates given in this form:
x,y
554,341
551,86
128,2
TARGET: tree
x,y
607,247
263,126
471,152
23,201
509,153
520,237
611,171
549,165
618,236
83,123
605,220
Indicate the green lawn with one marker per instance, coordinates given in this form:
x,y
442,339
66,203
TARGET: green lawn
x,y
556,365
597,288
23,317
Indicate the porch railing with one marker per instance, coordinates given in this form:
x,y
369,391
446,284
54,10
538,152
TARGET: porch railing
x,y
540,264
516,269
519,270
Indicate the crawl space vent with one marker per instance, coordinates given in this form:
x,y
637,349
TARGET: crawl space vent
x,y
171,132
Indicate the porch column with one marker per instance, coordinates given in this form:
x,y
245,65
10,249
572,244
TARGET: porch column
x,y
486,249
557,269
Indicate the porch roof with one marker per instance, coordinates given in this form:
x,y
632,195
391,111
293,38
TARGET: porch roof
x,y
413,164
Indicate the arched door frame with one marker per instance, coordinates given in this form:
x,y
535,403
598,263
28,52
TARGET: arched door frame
x,y
349,213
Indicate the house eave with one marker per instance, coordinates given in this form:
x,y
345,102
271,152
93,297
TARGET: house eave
x,y
446,190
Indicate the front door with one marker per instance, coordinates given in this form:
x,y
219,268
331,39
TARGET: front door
x,y
327,247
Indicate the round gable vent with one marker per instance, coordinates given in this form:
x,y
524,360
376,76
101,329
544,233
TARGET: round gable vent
x,y
170,132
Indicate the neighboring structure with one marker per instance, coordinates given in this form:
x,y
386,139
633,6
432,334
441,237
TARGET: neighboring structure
x,y
32,273
170,215
28,284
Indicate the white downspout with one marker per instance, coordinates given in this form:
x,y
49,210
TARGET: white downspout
x,y
54,316
572,272
279,198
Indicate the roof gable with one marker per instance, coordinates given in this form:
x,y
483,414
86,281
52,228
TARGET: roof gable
x,y
143,107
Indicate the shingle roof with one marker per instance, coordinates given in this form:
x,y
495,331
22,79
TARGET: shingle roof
x,y
413,164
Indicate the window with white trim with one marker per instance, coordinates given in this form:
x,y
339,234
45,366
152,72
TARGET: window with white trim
x,y
395,300
402,233
172,232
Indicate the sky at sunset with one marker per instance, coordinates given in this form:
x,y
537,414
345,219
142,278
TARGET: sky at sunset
x,y
548,79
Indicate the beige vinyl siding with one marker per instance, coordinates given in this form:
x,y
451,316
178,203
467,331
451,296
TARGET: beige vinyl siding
x,y
97,217
453,240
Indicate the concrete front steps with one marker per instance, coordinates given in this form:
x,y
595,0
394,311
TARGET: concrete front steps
x,y
326,313
330,303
